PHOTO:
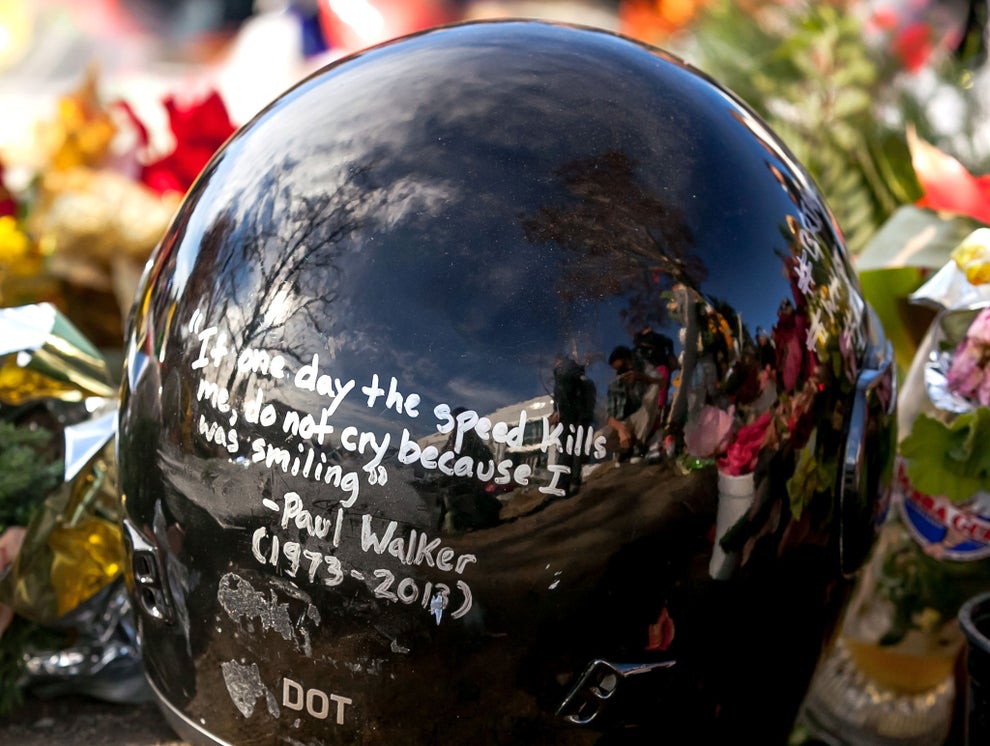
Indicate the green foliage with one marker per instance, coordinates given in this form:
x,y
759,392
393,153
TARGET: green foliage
x,y
18,639
11,666
808,71
810,477
26,474
923,590
950,460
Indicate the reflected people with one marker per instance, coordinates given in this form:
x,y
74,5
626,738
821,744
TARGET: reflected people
x,y
574,397
633,404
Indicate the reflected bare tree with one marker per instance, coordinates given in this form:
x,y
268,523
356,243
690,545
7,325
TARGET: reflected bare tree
x,y
278,248
642,240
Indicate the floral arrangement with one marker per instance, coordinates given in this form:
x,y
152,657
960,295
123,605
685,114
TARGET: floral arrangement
x,y
900,635
945,451
841,83
79,228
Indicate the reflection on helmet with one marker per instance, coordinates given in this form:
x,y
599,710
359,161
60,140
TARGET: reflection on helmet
x,y
508,383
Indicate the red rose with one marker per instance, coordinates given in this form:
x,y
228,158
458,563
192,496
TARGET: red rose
x,y
742,453
914,46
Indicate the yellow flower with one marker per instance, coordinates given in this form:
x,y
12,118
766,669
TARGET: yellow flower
x,y
13,243
83,130
972,256
928,620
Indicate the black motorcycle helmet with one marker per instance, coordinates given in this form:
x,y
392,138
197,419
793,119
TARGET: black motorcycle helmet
x,y
445,418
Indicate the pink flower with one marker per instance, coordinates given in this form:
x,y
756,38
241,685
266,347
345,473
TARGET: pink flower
x,y
979,330
741,455
967,375
709,434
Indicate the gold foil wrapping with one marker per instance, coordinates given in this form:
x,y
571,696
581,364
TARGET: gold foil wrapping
x,y
73,546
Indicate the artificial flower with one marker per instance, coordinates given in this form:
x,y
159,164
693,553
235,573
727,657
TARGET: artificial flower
x,y
972,256
948,186
13,243
709,434
968,375
199,129
83,130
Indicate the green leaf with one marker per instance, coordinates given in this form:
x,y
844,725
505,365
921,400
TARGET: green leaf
x,y
838,102
914,237
887,290
951,460
809,478
850,102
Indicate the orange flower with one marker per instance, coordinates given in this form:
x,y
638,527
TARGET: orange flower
x,y
947,185
83,130
650,20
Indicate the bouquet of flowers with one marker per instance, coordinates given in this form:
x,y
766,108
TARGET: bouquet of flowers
x,y
78,225
894,670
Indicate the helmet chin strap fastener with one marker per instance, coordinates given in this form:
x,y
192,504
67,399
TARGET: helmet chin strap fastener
x,y
597,686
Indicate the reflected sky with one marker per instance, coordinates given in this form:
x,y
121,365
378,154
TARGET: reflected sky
x,y
379,212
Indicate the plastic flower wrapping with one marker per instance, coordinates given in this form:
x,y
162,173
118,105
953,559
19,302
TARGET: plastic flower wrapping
x,y
64,613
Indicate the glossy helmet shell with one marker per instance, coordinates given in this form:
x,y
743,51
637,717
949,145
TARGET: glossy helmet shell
x,y
372,489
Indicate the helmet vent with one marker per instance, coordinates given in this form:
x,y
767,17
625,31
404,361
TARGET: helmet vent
x,y
147,576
